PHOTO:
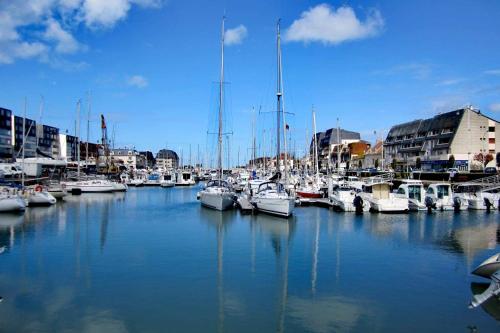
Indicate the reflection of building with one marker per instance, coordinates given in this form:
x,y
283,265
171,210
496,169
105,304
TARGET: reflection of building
x,y
5,133
30,133
167,159
461,133
130,158
48,140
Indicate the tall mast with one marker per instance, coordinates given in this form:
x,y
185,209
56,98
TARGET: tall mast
x,y
315,143
339,154
221,102
24,137
278,95
78,138
88,131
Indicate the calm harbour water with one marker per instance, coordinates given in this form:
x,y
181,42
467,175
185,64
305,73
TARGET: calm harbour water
x,y
153,260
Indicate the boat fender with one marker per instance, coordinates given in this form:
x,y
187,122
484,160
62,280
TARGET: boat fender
x,y
38,188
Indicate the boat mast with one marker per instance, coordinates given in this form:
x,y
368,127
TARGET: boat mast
x,y
316,166
279,94
24,138
78,138
339,154
221,102
88,132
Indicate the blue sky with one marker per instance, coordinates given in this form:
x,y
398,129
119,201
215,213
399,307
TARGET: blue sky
x,y
151,65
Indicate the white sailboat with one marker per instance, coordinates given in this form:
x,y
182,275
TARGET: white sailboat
x,y
218,194
11,201
271,197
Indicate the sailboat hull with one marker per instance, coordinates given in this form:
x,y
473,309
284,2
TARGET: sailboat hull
x,y
217,201
275,206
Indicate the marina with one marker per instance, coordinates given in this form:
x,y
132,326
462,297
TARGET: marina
x,y
264,166
318,271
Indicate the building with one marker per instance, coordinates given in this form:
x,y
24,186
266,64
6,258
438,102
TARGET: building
x,y
329,144
5,134
68,147
373,156
167,159
130,158
48,141
30,133
463,134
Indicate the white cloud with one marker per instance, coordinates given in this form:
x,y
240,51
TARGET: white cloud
x,y
138,81
495,107
99,13
415,70
329,26
235,35
22,20
65,42
450,82
492,72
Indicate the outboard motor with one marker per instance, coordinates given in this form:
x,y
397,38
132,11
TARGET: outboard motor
x,y
358,204
430,204
456,204
488,204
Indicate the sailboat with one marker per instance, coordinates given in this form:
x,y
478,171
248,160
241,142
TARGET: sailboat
x,y
311,187
271,197
218,194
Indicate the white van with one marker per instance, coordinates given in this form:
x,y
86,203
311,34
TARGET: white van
x,y
10,170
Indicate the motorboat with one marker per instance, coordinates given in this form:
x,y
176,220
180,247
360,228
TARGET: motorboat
x,y
11,201
342,197
167,180
218,195
39,196
440,196
489,269
475,196
153,179
413,191
184,178
380,198
310,189
271,198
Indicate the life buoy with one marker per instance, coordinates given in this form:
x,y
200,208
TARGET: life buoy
x,y
38,188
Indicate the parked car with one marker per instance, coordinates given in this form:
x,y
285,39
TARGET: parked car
x,y
491,170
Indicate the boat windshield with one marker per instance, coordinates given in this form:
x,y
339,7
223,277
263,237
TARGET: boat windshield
x,y
414,192
218,183
271,187
443,191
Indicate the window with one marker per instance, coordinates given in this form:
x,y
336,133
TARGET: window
x,y
491,140
491,129
430,191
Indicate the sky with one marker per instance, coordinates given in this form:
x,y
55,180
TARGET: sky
x,y
151,66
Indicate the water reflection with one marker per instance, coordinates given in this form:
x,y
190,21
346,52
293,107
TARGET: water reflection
x,y
154,260
491,306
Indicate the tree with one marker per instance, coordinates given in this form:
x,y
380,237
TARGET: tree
x,y
376,164
451,161
393,163
360,164
487,159
418,163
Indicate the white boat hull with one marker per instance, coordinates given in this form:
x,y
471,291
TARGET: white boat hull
x,y
120,187
275,206
395,205
216,200
41,198
12,204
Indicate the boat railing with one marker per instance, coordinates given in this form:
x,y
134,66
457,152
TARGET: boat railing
x,y
488,183
384,177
